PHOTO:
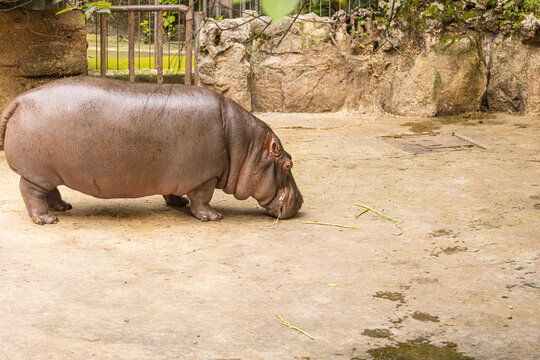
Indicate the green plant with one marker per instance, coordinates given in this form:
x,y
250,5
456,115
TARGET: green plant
x,y
88,8
360,17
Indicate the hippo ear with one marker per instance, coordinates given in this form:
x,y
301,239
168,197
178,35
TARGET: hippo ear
x,y
274,148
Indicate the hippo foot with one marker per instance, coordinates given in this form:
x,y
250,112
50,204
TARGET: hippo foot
x,y
175,200
55,202
61,206
207,214
45,219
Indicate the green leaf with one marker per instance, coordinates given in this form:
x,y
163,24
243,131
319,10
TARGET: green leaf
x,y
104,10
89,10
277,9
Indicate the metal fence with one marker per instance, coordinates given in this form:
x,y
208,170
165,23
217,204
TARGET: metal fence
x,y
231,9
155,39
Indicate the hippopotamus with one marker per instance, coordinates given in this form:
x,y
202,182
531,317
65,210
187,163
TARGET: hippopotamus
x,y
115,139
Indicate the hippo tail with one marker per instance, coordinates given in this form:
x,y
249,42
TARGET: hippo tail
x,y
4,118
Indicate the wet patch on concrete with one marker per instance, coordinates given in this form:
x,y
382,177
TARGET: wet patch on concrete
x,y
419,340
392,296
429,142
398,320
447,250
377,333
422,316
417,352
470,119
442,232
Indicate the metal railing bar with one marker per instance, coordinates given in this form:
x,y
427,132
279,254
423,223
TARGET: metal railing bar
x,y
188,44
127,8
96,21
159,47
139,35
117,51
131,44
198,24
103,43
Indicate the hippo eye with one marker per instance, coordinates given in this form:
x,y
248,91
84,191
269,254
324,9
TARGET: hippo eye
x,y
287,166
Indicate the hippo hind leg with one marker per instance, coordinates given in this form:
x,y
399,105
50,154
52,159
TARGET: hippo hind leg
x,y
175,200
200,198
55,202
35,199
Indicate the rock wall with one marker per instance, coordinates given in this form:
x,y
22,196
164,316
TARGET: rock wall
x,y
319,66
36,47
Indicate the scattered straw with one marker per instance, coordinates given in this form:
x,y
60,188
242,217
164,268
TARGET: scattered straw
x,y
330,224
381,214
288,324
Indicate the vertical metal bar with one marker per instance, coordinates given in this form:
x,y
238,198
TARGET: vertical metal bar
x,y
205,7
189,37
178,30
139,35
149,38
231,5
329,9
155,33
159,47
96,20
117,51
131,42
103,43
198,24
309,5
218,13
169,40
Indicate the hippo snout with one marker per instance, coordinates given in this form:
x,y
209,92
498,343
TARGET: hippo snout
x,y
286,204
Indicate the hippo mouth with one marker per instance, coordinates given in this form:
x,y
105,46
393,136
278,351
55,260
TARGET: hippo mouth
x,y
284,205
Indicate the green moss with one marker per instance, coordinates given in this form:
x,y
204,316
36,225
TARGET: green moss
x,y
433,12
437,86
418,352
469,15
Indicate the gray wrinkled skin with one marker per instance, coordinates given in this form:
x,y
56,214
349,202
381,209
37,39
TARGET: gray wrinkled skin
x,y
114,139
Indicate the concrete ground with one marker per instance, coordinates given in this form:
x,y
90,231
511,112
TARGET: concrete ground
x,y
135,279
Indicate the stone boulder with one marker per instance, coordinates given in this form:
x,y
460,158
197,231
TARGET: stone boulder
x,y
449,79
224,59
514,76
304,71
37,47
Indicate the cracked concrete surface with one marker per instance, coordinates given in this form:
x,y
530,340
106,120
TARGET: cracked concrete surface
x,y
135,279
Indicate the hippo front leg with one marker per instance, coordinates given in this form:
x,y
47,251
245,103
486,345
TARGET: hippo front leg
x,y
35,199
200,198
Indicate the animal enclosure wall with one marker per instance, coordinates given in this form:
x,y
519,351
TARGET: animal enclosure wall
x,y
37,47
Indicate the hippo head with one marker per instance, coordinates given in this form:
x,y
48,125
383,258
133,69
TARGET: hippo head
x,y
276,190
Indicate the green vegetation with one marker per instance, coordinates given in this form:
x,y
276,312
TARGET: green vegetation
x,y
418,352
144,56
170,64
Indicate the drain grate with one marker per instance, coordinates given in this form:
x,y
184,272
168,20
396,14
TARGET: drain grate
x,y
428,143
